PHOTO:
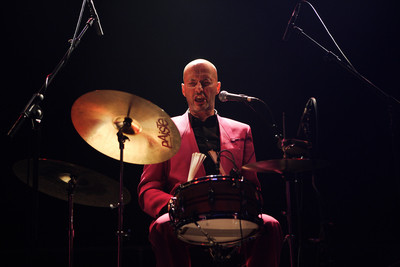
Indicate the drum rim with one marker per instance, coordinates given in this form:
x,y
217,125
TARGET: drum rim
x,y
215,177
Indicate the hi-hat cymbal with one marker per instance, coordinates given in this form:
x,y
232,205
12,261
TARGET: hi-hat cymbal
x,y
285,165
152,136
91,189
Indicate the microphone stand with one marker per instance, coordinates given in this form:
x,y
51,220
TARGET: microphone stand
x,y
333,57
329,55
389,99
34,112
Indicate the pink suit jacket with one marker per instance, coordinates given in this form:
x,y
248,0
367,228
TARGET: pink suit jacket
x,y
159,181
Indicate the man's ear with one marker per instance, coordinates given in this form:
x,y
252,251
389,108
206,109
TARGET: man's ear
x,y
218,87
183,89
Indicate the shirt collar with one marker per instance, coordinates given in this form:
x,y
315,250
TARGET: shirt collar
x,y
209,122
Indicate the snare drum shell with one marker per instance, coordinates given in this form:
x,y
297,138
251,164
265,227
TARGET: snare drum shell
x,y
217,197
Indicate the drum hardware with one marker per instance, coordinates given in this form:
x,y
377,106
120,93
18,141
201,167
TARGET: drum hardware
x,y
34,112
211,196
295,160
286,168
126,127
221,254
237,177
71,233
72,183
209,238
100,116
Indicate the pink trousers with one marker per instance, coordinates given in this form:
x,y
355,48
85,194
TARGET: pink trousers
x,y
264,250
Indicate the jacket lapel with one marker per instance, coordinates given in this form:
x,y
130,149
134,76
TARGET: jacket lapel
x,y
188,140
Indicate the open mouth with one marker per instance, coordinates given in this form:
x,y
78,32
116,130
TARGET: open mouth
x,y
199,99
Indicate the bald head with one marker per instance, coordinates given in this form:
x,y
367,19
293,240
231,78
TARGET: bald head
x,y
200,86
197,63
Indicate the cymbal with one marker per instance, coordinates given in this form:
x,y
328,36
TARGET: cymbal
x,y
282,166
152,137
296,148
91,189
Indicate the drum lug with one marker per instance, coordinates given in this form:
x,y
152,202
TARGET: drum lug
x,y
172,207
211,196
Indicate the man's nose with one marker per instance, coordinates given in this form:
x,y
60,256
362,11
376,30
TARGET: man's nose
x,y
199,88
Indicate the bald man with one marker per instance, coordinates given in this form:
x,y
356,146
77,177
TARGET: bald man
x,y
202,130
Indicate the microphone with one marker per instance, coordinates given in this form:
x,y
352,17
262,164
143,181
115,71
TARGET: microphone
x,y
291,22
305,117
224,96
95,16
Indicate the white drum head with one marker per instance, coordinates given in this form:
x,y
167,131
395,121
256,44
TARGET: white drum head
x,y
222,231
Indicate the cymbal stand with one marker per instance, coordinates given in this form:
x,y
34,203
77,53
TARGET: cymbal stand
x,y
71,233
289,237
34,112
121,140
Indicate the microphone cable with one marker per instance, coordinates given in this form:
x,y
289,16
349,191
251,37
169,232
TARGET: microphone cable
x,y
330,35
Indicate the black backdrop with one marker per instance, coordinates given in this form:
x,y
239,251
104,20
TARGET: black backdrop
x,y
144,49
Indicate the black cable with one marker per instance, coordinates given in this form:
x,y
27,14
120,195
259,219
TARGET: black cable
x,y
276,131
230,159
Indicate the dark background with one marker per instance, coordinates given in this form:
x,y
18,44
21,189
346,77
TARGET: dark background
x,y
144,49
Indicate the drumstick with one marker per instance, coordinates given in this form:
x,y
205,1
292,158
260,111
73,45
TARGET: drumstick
x,y
213,156
195,163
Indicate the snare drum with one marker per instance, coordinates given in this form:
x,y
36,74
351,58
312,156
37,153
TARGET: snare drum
x,y
216,210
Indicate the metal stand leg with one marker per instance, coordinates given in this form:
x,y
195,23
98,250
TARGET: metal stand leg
x,y
120,233
289,237
71,188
